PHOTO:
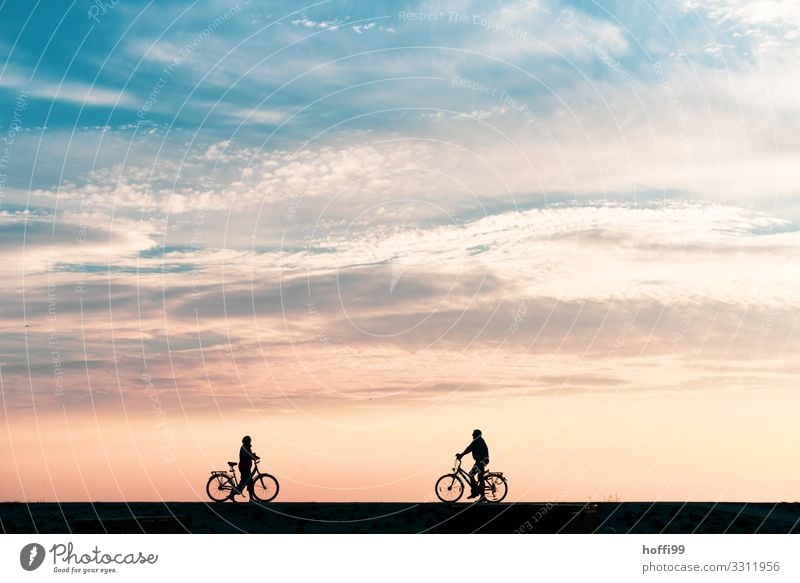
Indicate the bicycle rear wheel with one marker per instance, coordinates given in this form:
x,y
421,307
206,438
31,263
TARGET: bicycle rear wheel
x,y
449,488
495,488
219,487
265,487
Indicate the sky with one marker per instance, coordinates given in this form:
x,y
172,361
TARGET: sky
x,y
358,231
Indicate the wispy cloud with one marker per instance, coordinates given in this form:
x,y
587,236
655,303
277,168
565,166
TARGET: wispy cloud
x,y
769,26
69,91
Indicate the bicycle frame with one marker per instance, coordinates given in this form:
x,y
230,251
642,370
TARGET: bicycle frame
x,y
231,473
462,472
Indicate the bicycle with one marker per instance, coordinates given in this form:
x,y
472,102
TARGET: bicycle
x,y
222,483
450,487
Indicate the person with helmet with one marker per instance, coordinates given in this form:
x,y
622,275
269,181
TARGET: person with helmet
x,y
480,453
246,457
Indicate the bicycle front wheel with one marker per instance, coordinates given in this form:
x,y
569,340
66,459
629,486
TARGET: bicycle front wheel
x,y
219,487
449,488
495,488
265,487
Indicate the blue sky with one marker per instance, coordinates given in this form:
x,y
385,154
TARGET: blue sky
x,y
269,76
255,49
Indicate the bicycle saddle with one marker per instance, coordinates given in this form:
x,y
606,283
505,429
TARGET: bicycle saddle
x,y
231,464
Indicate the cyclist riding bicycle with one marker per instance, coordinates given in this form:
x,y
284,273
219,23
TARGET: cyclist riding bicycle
x,y
480,453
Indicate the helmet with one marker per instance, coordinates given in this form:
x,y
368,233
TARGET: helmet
x,y
476,433
246,439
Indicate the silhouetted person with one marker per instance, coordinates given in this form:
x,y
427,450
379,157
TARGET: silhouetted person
x,y
246,458
480,453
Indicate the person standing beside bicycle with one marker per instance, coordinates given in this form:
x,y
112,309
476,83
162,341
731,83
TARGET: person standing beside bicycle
x,y
246,458
480,453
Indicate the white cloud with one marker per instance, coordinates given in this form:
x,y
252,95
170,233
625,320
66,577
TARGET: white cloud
x,y
69,91
648,137
31,243
361,28
770,25
122,194
574,279
670,253
272,117
323,24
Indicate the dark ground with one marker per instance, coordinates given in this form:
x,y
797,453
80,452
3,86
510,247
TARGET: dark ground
x,y
310,517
